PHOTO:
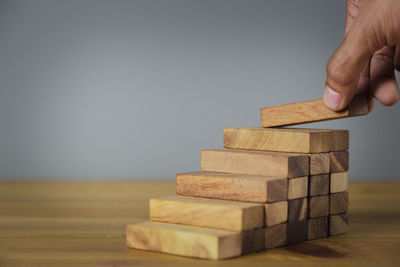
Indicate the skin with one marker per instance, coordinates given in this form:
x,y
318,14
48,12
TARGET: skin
x,y
366,60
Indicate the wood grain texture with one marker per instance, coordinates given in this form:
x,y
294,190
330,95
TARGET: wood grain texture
x,y
339,161
297,232
253,241
232,187
184,240
339,203
339,182
293,140
211,213
310,111
297,209
276,213
275,236
297,187
318,228
319,163
318,185
82,223
318,206
271,164
338,224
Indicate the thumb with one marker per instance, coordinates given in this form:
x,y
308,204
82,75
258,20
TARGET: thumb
x,y
345,66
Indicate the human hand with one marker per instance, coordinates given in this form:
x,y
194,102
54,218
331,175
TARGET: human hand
x,y
366,60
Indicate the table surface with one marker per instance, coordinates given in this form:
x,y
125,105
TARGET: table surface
x,y
82,223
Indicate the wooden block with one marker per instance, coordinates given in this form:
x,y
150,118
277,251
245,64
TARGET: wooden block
x,y
292,140
253,240
339,203
339,161
339,182
211,213
184,240
276,213
318,206
318,228
318,185
232,187
275,236
297,232
310,111
338,224
297,209
297,187
319,163
271,164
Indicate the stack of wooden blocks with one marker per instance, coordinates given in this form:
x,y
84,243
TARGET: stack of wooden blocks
x,y
268,188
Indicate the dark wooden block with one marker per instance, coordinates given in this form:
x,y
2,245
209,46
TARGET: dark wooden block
x,y
318,228
338,224
318,206
339,161
297,232
318,185
253,241
297,209
275,236
338,203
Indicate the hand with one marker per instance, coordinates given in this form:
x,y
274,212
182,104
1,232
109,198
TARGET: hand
x,y
365,61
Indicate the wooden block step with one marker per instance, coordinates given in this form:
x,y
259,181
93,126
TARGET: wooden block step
x,y
339,182
310,111
253,240
232,187
297,209
339,161
292,140
318,228
338,224
297,187
276,213
184,240
275,236
272,164
211,213
318,206
318,185
339,203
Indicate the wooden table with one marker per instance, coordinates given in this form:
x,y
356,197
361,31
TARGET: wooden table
x,y
72,223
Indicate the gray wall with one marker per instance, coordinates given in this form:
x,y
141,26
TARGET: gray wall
x,y
134,89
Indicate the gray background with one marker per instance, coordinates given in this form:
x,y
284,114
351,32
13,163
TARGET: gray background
x,y
134,89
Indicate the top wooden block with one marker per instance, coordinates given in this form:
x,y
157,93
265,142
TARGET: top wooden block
x,y
310,111
287,139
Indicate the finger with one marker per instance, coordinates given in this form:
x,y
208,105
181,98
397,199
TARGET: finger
x,y
383,79
364,81
351,14
397,58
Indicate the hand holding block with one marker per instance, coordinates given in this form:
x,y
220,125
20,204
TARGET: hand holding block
x,y
232,186
310,111
292,140
211,213
271,164
184,240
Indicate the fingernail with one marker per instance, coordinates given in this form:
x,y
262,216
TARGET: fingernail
x,y
332,99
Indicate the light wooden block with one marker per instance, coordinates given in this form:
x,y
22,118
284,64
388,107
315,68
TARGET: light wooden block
x,y
276,213
310,111
297,209
232,187
318,185
184,240
319,163
339,161
338,224
292,140
297,187
318,228
253,240
271,164
339,203
211,213
275,236
339,182
318,206
297,232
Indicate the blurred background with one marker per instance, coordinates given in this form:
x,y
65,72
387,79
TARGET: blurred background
x,y
135,89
